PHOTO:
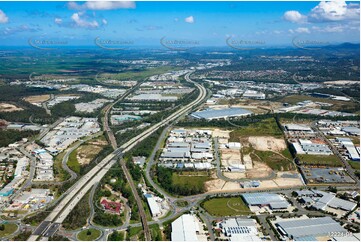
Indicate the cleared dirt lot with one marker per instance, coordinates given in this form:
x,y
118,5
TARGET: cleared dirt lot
x,y
37,98
221,133
231,157
264,143
86,153
342,82
219,185
259,170
7,107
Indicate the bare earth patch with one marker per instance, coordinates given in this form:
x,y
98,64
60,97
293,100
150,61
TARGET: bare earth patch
x,y
7,107
259,170
221,133
219,185
231,157
342,82
37,98
265,143
86,153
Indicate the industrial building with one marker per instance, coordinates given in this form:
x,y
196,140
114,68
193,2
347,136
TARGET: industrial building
x,y
261,199
298,128
153,205
254,95
153,97
309,228
211,114
322,200
238,229
351,130
185,228
188,149
308,147
352,152
119,119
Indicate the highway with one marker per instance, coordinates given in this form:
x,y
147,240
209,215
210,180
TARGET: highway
x,y
107,129
84,184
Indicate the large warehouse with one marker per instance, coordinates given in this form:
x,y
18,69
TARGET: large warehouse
x,y
211,114
185,228
309,228
274,201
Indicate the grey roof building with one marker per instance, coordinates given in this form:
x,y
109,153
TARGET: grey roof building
x,y
300,228
273,200
221,113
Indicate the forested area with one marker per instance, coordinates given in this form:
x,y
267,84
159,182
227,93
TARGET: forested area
x,y
165,179
10,136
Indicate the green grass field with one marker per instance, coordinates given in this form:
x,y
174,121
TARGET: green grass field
x,y
8,229
89,235
190,179
275,161
156,233
337,105
73,162
323,160
355,165
139,75
226,206
267,127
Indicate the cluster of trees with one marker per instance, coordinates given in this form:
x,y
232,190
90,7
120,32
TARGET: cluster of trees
x,y
15,95
106,219
78,216
57,237
10,136
164,177
118,184
23,236
116,236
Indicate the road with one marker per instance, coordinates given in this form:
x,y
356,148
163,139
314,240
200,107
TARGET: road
x,y
45,104
106,110
83,185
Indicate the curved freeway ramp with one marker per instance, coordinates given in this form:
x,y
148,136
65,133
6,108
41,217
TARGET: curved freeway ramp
x,y
74,194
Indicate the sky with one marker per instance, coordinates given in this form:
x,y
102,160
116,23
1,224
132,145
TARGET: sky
x,y
201,23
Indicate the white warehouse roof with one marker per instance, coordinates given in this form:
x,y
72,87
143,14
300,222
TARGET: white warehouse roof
x,y
185,228
221,113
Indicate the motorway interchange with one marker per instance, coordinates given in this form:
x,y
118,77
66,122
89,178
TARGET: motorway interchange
x,y
73,195
50,225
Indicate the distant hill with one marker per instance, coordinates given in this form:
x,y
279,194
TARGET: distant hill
x,y
345,45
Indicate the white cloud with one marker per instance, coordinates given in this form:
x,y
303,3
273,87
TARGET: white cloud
x,y
334,11
79,22
189,19
331,29
294,16
302,30
58,20
331,11
101,5
104,21
3,17
277,31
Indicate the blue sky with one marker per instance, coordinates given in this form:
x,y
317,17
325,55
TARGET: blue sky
x,y
209,23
